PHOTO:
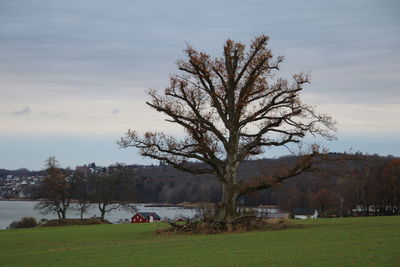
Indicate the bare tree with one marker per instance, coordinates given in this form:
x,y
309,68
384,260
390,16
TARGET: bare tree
x,y
113,189
231,107
57,189
82,194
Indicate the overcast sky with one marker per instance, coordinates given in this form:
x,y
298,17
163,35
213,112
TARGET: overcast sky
x,y
73,74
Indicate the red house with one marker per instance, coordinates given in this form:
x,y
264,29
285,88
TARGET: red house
x,y
143,217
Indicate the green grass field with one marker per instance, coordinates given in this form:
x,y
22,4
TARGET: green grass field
x,y
327,242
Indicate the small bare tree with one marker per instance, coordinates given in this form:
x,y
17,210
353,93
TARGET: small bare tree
x,y
113,189
57,190
231,108
82,193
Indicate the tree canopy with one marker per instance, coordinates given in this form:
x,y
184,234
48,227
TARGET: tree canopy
x,y
231,108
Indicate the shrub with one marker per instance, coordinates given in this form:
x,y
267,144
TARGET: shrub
x,y
206,212
68,222
13,225
25,222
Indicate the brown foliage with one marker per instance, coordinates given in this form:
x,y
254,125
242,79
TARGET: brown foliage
x,y
324,200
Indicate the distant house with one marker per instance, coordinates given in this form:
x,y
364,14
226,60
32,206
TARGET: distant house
x,y
143,217
305,213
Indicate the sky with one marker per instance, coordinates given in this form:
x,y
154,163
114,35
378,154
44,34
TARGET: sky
x,y
74,74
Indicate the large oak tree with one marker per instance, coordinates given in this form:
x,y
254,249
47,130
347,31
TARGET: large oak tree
x,y
231,107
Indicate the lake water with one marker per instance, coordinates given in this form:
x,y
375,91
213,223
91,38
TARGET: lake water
x,y
14,210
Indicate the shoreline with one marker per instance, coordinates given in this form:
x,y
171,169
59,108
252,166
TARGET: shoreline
x,y
19,199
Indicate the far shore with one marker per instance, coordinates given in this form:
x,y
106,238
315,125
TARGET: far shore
x,y
19,199
188,205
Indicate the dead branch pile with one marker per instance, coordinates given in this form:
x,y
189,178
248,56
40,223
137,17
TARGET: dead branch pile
x,y
240,224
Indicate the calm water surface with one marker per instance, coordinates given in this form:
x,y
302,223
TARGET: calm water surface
x,y
14,210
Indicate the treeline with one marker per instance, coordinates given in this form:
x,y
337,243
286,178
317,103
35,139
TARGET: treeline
x,y
356,185
360,185
107,188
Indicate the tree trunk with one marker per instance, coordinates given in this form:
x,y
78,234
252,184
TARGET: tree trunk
x,y
102,208
63,214
226,210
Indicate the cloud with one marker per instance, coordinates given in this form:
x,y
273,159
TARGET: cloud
x,y
56,115
24,111
116,111
83,66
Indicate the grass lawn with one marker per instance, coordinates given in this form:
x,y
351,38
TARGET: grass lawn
x,y
327,242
